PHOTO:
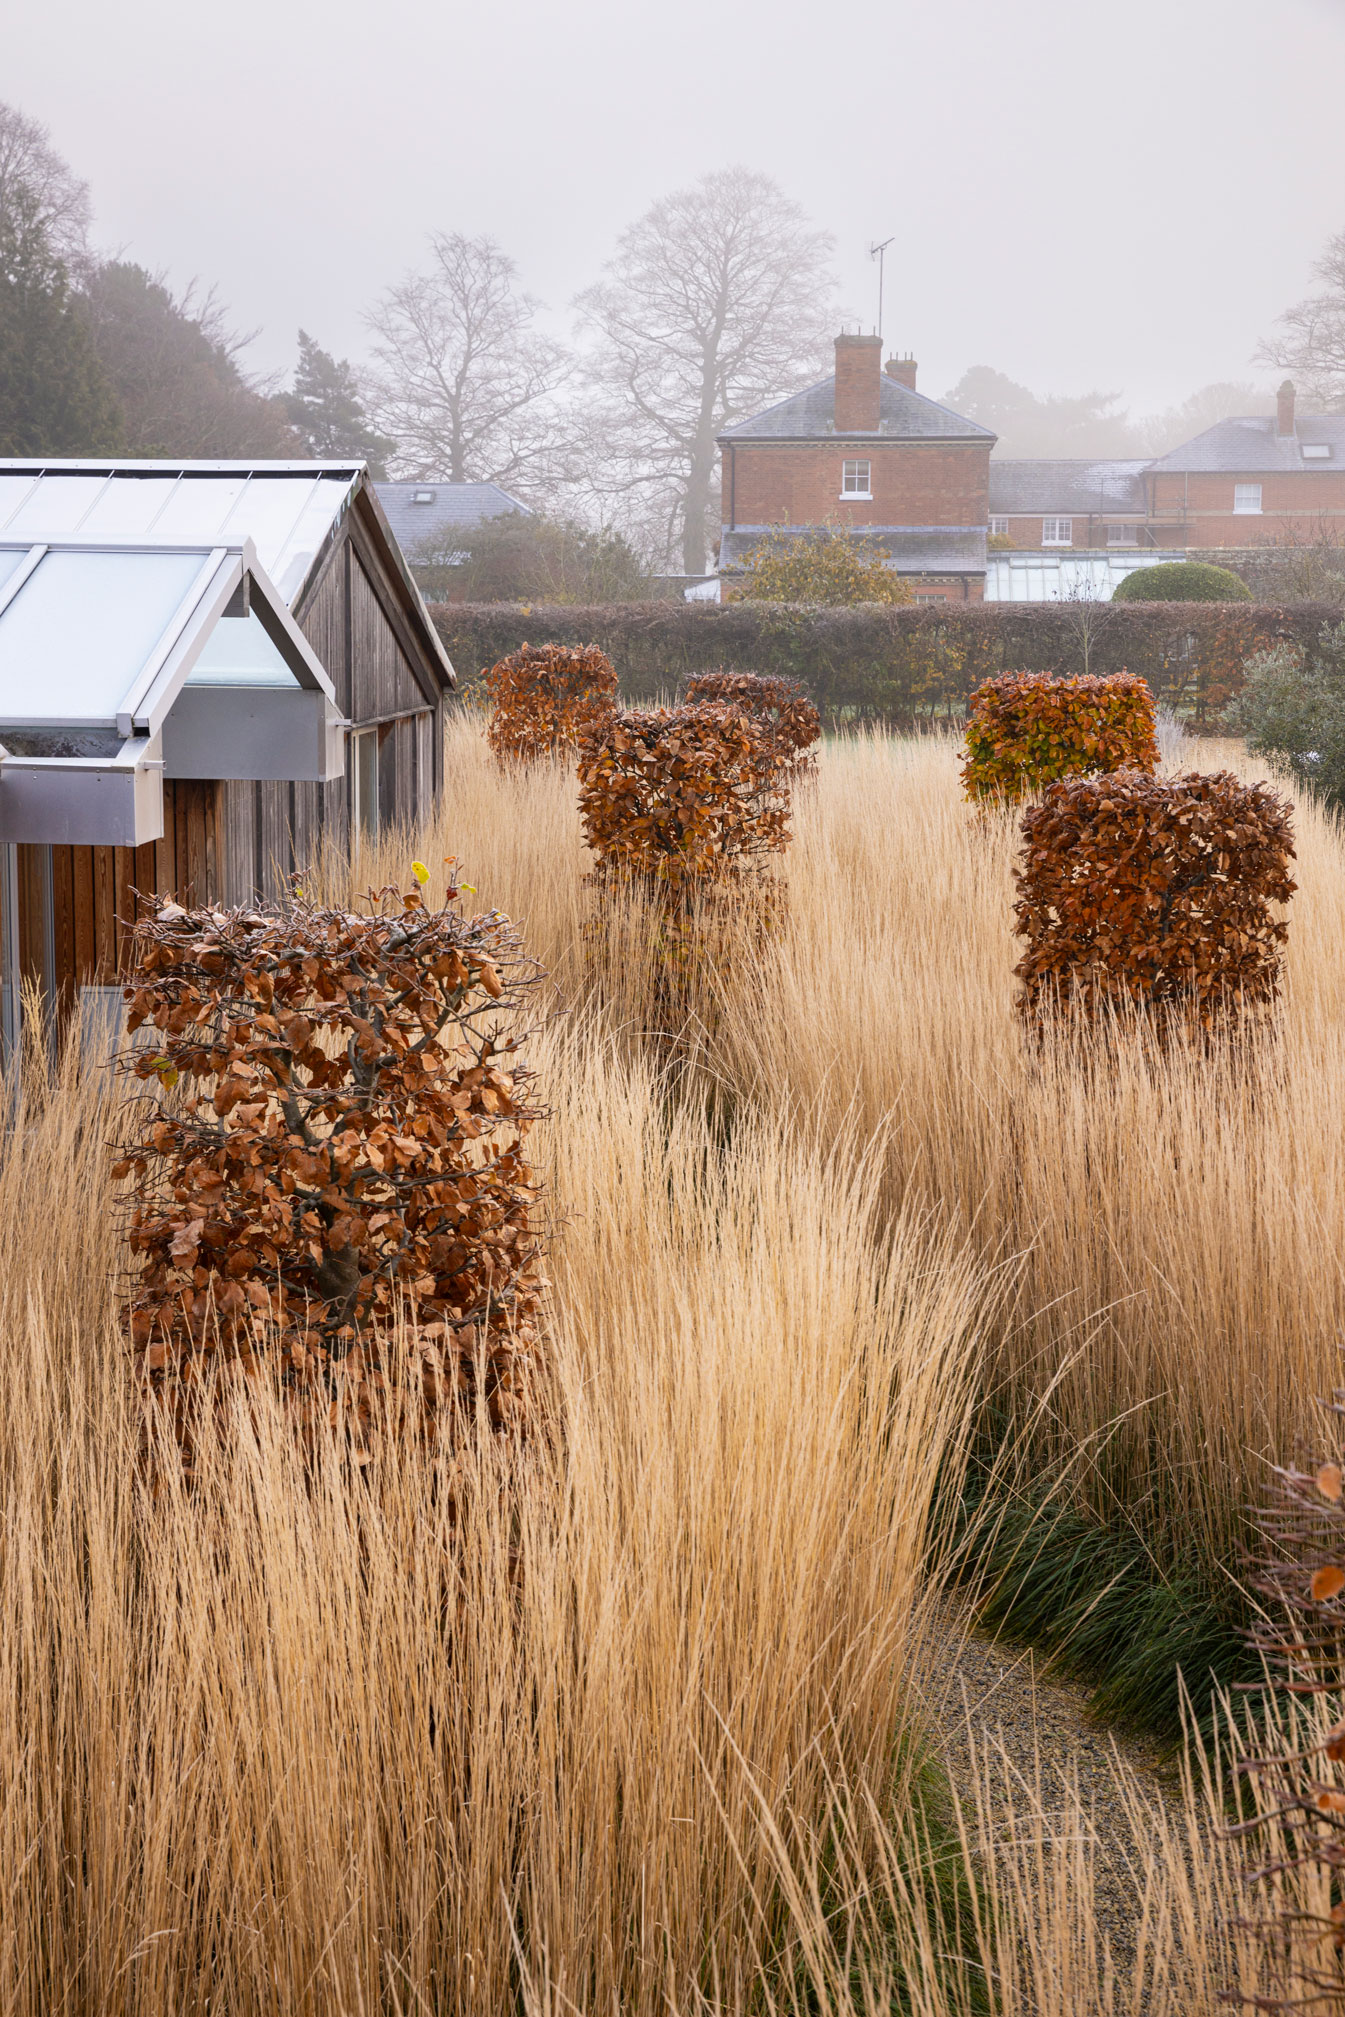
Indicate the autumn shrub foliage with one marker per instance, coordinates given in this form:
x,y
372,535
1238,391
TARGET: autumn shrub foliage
x,y
544,696
1027,729
330,1140
1298,1829
786,718
680,798
1158,893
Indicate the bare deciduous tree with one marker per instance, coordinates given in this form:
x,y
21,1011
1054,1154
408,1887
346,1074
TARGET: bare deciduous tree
x,y
718,300
1311,342
58,202
463,381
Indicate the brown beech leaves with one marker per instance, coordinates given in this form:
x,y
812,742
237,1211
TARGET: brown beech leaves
x,y
332,1138
684,797
786,718
545,696
1027,729
1154,893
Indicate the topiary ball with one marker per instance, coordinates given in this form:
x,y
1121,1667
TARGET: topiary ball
x,y
1182,581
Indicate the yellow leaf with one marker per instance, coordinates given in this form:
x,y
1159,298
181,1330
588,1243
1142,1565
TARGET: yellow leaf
x,y
420,872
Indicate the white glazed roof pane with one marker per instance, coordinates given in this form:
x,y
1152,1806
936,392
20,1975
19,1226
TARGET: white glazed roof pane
x,y
127,507
81,628
238,652
10,558
268,514
197,507
13,490
53,508
321,511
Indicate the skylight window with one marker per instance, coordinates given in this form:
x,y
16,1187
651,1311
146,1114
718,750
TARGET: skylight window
x,y
1316,451
422,497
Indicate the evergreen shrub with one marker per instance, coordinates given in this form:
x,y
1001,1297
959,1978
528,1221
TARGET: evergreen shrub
x,y
1182,581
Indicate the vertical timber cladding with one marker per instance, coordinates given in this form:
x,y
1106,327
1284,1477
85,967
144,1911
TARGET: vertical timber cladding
x,y
77,904
270,831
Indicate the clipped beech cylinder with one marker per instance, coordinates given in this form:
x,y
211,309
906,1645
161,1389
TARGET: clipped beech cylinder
x,y
789,721
545,696
679,797
329,1149
1154,893
1027,729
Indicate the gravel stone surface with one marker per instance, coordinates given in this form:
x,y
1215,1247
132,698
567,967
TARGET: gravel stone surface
x,y
1005,1697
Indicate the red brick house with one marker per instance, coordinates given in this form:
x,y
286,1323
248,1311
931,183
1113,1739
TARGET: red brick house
x,y
1248,482
1245,482
863,448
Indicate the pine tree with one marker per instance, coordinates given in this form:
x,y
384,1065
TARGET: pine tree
x,y
54,396
328,413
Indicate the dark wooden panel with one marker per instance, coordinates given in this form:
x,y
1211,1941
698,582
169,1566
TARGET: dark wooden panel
x,y
238,841
275,854
66,970
32,906
85,928
383,681
324,624
105,912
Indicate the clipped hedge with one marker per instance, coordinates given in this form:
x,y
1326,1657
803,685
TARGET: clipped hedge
x,y
1182,581
898,666
1154,893
1028,729
544,696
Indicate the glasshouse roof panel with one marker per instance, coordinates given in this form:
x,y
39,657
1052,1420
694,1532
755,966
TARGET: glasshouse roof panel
x,y
84,625
286,510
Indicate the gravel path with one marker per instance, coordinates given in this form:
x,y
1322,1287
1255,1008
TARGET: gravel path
x,y
1004,1698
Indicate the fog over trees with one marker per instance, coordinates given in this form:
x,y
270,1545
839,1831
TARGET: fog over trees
x,y
717,300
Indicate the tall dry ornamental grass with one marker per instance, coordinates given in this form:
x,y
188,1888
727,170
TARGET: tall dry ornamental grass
x,y
259,1755
645,1733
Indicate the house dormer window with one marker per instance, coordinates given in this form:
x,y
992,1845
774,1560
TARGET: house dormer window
x,y
855,477
1246,497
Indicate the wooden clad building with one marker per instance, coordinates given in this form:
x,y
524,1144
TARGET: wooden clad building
x,y
322,596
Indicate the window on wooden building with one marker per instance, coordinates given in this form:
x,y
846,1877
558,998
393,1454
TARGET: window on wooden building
x,y
855,475
364,782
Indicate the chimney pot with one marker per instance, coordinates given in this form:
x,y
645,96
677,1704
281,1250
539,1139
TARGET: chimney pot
x,y
1284,408
903,370
858,383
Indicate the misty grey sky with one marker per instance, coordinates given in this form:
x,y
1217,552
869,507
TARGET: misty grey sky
x,y
1121,197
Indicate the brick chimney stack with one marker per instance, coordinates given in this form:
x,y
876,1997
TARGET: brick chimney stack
x,y
858,383
1284,408
903,370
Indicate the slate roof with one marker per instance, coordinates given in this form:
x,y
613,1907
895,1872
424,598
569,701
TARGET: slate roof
x,y
912,549
902,416
1073,485
1254,444
451,505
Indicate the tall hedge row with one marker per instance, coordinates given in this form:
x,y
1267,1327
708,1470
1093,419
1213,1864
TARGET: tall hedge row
x,y
896,665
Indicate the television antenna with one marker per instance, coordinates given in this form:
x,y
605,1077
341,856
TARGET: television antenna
x,y
876,252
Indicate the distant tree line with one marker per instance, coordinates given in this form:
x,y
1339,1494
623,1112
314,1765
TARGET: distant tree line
x,y
718,300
